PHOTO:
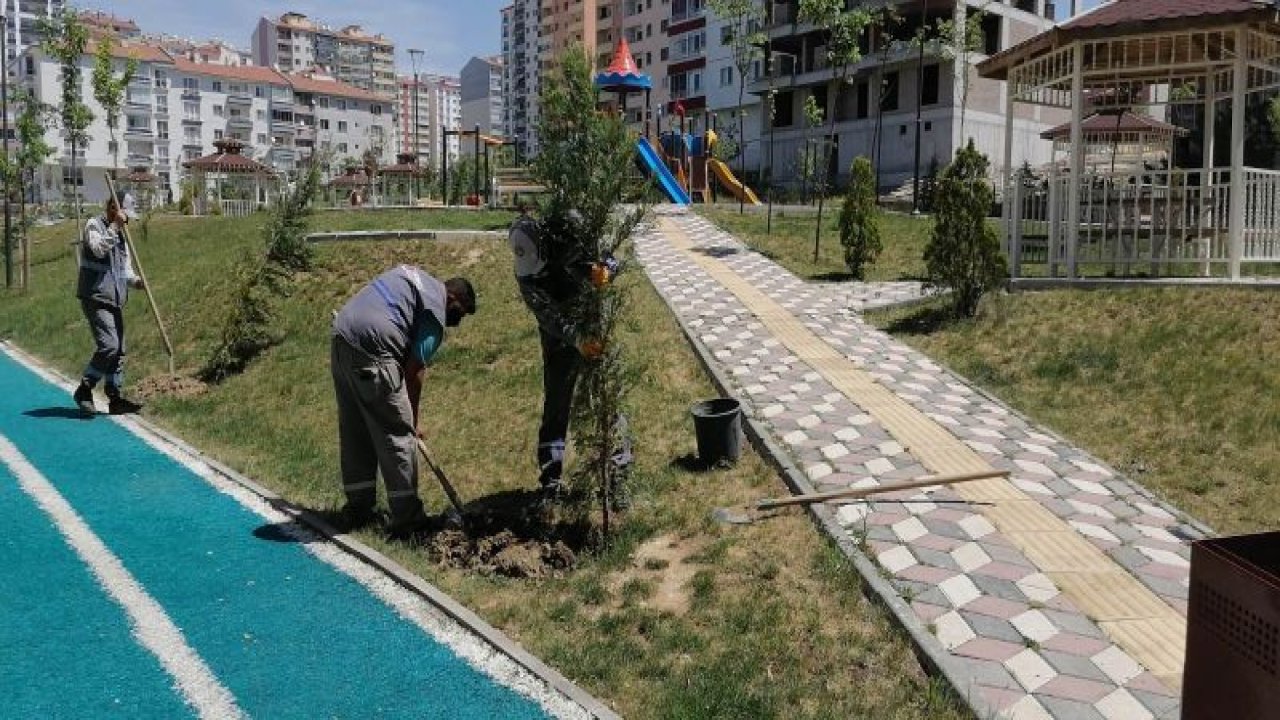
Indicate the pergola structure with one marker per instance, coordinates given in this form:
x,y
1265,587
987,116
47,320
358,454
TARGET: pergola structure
x,y
353,179
1118,198
400,181
238,184
143,184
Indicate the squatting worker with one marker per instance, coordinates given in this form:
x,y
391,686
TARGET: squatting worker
x,y
105,277
551,286
383,338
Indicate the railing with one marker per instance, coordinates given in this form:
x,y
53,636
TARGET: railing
x,y
689,13
237,208
1261,215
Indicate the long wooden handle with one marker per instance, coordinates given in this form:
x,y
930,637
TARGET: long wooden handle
x,y
444,481
855,493
146,286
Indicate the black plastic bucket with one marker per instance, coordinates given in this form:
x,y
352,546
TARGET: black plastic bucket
x,y
718,427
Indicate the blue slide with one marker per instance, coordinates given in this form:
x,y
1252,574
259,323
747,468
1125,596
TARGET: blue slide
x,y
659,169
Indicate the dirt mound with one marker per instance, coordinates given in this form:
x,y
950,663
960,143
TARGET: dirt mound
x,y
165,385
506,535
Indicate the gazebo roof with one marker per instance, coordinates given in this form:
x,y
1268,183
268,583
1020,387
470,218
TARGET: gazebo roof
x,y
1130,17
227,160
350,179
1104,124
623,75
140,175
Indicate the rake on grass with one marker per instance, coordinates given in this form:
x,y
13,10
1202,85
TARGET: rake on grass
x,y
137,262
752,512
444,481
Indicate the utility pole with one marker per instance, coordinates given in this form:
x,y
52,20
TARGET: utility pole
x,y
414,56
4,111
915,185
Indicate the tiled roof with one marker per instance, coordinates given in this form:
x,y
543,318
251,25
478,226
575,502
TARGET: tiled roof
x,y
325,86
1119,17
249,73
1106,124
125,49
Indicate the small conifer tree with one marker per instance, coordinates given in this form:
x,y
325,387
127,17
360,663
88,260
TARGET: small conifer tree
x,y
963,255
860,220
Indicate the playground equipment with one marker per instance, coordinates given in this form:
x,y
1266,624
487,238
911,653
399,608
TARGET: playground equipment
x,y
731,182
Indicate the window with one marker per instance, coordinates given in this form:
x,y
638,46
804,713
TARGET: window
x,y
217,134
342,104
342,147
932,86
784,110
73,176
323,102
191,134
190,84
375,109
257,91
889,92
262,138
726,34
162,129
261,115
217,86
726,76
324,124
864,92
218,112
191,110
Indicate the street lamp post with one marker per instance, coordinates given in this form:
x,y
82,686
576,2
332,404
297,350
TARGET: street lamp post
x,y
915,184
414,56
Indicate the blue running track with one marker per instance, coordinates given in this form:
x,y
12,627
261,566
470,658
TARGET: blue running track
x,y
285,633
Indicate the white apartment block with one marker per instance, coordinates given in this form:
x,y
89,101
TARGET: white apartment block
x,y
425,112
295,43
22,22
175,109
480,95
520,51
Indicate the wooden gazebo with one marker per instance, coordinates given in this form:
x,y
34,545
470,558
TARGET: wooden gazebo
x,y
142,182
402,182
353,180
1196,66
236,183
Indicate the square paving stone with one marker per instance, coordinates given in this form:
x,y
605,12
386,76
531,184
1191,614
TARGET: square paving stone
x,y
935,558
990,627
1060,709
990,673
1084,646
999,588
1076,666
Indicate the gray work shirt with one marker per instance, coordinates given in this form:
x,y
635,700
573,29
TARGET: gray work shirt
x,y
384,318
105,266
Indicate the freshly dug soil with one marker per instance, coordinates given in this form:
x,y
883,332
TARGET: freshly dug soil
x,y
505,535
165,385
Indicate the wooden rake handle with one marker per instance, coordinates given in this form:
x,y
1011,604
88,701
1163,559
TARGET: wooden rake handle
x,y
146,286
857,493
444,481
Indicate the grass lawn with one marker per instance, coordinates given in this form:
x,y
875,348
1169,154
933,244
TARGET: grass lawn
x,y
791,242
682,618
1176,387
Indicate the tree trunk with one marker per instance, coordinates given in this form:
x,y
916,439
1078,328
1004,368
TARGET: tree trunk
x,y
742,144
26,242
824,171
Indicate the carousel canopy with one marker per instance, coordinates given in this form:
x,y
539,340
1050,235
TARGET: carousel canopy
x,y
227,160
1110,124
622,75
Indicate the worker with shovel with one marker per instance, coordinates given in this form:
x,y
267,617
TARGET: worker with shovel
x,y
383,338
105,278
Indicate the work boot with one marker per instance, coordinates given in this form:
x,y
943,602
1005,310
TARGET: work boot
x,y
405,529
354,517
84,399
120,406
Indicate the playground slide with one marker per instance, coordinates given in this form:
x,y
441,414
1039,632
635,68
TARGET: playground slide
x,y
729,181
666,180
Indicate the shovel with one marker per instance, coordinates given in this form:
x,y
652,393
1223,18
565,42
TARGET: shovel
x,y
751,513
444,481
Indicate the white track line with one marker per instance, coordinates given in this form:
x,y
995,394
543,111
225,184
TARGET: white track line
x,y
150,625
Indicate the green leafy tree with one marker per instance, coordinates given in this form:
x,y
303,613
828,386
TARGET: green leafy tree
x,y
860,220
18,167
583,161
963,254
843,28
960,40
65,38
109,89
744,20
813,117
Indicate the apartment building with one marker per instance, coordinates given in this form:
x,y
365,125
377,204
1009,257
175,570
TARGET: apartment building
x,y
876,111
22,22
565,23
521,72
425,111
102,24
176,108
480,94
295,43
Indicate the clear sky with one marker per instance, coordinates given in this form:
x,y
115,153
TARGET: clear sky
x,y
449,31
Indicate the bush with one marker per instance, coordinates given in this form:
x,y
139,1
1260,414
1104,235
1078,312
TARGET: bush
x,y
286,230
860,220
963,255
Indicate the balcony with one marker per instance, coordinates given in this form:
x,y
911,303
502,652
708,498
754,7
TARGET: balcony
x,y
240,121
686,13
141,134
192,120
189,93
283,126
136,159
239,97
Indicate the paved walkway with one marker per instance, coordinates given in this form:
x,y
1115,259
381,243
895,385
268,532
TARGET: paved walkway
x,y
1061,592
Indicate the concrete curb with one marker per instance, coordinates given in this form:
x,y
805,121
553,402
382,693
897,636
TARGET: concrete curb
x,y
451,608
1254,283
447,235
928,649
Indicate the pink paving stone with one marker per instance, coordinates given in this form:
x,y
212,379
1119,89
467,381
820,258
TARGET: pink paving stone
x,y
1004,571
996,538
996,607
878,546
1148,683
1099,500
940,543
985,648
1171,572
1078,645
884,518
1060,602
928,612
1078,689
926,574
999,698
1103,545
947,514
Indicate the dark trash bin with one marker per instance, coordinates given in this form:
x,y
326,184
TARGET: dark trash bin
x,y
1232,667
718,427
